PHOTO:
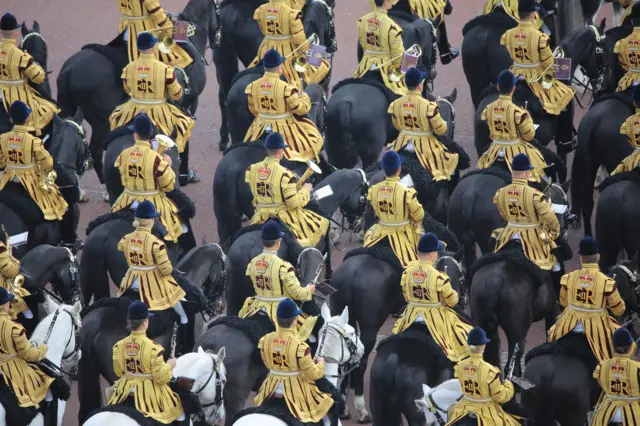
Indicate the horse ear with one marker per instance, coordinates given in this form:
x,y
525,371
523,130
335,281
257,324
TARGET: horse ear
x,y
200,350
222,353
326,313
622,256
23,29
76,308
421,404
36,27
634,262
344,316
603,25
566,186
453,96
78,118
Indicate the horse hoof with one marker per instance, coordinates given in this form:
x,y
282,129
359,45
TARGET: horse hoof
x,y
83,196
366,418
345,415
222,146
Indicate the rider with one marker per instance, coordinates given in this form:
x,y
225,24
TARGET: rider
x,y
430,298
626,49
530,50
381,39
399,211
150,269
149,83
283,32
26,162
292,370
510,129
619,378
9,271
483,391
147,15
18,357
529,217
587,294
143,373
631,129
277,195
274,280
17,70
147,175
280,107
418,119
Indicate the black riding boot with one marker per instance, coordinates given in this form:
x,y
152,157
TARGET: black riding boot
x,y
46,131
566,139
187,240
447,52
187,175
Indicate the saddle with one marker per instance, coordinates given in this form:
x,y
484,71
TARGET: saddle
x,y
15,197
631,176
413,344
371,78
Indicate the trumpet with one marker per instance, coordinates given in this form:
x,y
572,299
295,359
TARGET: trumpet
x,y
300,63
547,75
313,168
166,41
18,280
395,74
164,143
46,180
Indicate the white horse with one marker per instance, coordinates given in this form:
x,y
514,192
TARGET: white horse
x,y
58,330
437,402
341,349
209,375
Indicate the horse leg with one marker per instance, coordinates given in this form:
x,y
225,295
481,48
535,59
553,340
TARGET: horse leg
x,y
88,387
516,324
368,337
225,58
98,134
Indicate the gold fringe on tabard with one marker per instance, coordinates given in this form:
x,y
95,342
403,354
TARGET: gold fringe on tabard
x,y
510,151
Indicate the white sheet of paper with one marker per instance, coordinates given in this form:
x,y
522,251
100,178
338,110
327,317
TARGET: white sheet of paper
x,y
323,192
18,239
407,181
559,208
154,145
535,126
46,138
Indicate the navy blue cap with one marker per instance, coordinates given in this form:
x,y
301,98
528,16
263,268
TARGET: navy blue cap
x,y
271,231
391,162
19,112
137,311
588,247
287,309
275,141
521,163
142,125
8,22
622,338
526,6
5,296
146,41
477,337
146,210
429,243
272,59
414,77
506,81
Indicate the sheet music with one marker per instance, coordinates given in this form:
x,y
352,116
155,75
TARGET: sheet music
x,y
18,239
323,192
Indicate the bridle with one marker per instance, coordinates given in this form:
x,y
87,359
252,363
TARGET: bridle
x,y
353,360
453,114
595,81
74,332
215,369
319,268
31,34
434,54
355,219
461,274
437,411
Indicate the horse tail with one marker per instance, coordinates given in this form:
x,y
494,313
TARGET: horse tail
x,y
89,394
485,308
581,179
385,409
226,209
540,399
341,146
94,279
467,237
64,100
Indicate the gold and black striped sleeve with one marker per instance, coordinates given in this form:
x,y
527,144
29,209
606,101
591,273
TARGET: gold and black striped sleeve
x,y
160,370
161,258
25,348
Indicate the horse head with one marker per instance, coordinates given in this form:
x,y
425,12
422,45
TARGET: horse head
x,y
309,265
625,274
437,402
588,51
206,264
204,15
59,330
34,44
68,146
450,264
447,112
318,112
348,192
207,377
338,345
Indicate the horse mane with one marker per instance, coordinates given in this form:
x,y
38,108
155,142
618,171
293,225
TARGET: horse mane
x,y
160,322
158,229
115,51
443,233
381,251
194,10
632,176
512,255
187,206
196,300
401,14
258,69
253,144
369,82
572,345
497,18
498,169
127,410
570,40
116,133
622,30
294,249
622,97
417,341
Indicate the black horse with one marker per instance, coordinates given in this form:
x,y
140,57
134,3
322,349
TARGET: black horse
x,y
239,40
509,291
368,283
616,228
585,48
349,191
562,371
90,79
19,212
355,133
104,323
245,370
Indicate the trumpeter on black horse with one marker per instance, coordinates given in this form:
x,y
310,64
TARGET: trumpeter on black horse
x,y
239,40
562,371
501,281
585,48
104,322
368,283
90,79
349,194
355,133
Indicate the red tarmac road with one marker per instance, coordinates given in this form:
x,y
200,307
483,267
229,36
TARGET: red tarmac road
x,y
68,25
